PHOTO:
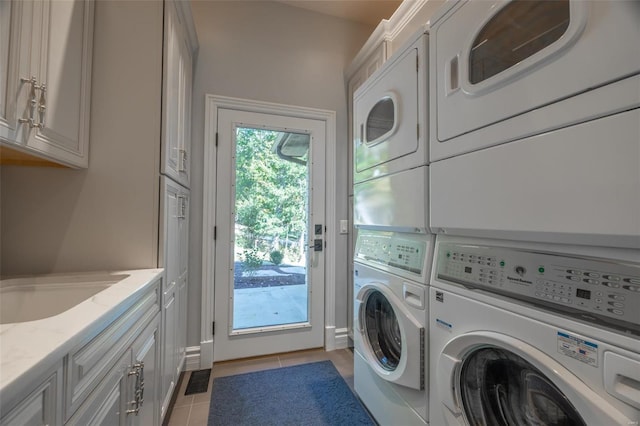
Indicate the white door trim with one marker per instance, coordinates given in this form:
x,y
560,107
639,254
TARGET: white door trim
x,y
212,104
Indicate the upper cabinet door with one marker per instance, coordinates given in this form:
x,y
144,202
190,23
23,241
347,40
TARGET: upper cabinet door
x,y
5,48
46,78
178,69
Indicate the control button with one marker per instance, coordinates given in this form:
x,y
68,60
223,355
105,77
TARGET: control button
x,y
520,270
574,272
616,311
617,304
599,293
538,294
556,298
590,281
493,272
573,278
634,288
564,300
612,285
598,300
632,280
617,297
611,277
493,264
597,308
592,274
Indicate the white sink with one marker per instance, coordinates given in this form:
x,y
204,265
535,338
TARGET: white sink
x,y
35,298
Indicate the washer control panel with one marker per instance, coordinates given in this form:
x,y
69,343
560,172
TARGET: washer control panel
x,y
600,287
406,252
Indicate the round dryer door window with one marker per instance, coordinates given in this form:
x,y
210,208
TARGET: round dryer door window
x,y
501,388
382,330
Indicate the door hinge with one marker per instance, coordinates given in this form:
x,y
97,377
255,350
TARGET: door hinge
x,y
215,233
213,328
216,139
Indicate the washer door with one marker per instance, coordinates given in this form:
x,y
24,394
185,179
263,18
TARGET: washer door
x,y
486,378
392,340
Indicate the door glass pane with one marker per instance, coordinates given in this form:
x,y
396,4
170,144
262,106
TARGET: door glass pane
x,y
380,120
500,388
383,331
270,280
518,31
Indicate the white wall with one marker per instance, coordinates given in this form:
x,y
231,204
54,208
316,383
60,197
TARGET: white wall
x,y
271,52
105,217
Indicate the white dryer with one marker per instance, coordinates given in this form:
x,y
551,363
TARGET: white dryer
x,y
390,336
391,142
534,121
528,334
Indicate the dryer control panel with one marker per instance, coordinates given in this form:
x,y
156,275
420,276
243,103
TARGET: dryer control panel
x,y
594,289
400,252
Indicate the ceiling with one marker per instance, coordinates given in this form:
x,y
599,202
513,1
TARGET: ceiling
x,y
369,12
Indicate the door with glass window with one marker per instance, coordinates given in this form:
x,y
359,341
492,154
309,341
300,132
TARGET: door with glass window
x,y
269,267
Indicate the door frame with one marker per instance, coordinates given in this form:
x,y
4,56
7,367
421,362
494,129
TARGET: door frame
x,y
212,104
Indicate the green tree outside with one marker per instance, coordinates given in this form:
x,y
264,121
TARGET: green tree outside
x,y
271,197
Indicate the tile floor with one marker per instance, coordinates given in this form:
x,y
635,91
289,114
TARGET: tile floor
x,y
193,410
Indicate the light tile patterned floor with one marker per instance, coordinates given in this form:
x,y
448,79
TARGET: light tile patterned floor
x,y
193,410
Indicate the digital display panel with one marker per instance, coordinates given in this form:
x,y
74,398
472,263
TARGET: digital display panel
x,y
467,269
584,294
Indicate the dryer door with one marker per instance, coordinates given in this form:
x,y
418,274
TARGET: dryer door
x,y
489,378
386,119
391,339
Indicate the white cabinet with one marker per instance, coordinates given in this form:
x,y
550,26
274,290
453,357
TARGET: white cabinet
x,y
168,377
108,376
42,406
45,79
127,395
175,246
180,44
177,87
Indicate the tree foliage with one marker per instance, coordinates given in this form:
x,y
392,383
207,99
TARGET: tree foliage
x,y
271,193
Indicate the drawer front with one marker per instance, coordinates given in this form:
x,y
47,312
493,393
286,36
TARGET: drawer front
x,y
90,361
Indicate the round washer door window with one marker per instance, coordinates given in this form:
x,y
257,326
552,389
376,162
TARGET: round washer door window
x,y
501,388
382,330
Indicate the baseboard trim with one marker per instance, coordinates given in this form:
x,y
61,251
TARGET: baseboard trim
x,y
341,338
335,338
192,358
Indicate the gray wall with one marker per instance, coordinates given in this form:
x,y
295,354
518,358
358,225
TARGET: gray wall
x,y
104,217
271,52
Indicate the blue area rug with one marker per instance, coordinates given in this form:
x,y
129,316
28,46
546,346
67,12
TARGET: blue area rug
x,y
308,394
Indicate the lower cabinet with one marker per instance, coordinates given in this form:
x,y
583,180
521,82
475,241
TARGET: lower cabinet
x,y
111,376
126,396
169,346
43,406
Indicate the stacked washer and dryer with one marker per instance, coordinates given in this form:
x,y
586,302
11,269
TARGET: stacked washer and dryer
x,y
534,315
394,249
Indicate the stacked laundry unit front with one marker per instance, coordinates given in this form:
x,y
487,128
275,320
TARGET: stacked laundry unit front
x,y
394,247
535,197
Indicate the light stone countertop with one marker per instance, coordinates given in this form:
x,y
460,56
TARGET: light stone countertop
x,y
29,349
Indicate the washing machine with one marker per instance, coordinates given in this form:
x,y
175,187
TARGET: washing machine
x,y
391,271
534,121
533,334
